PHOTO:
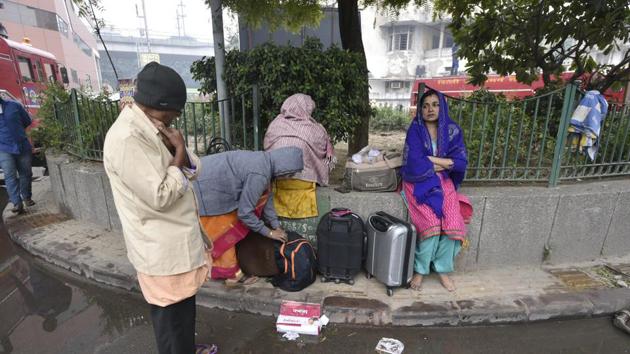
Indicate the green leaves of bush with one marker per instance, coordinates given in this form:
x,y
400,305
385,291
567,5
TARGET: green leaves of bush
x,y
332,77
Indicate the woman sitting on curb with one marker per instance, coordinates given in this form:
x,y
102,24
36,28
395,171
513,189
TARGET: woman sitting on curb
x,y
295,126
434,165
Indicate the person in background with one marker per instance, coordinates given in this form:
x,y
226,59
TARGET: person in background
x,y
295,126
16,154
434,165
234,196
150,172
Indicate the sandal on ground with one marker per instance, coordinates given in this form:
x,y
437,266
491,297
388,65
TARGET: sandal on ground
x,y
206,349
242,280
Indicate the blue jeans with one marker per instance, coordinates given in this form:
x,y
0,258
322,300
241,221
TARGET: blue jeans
x,y
17,167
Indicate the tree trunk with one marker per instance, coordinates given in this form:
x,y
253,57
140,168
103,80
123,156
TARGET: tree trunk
x,y
350,32
546,77
216,8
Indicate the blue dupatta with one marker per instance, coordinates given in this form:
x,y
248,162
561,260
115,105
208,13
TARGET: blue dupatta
x,y
418,169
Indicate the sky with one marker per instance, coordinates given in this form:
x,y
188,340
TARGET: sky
x,y
161,17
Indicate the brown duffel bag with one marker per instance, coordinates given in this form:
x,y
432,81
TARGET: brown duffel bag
x,y
256,255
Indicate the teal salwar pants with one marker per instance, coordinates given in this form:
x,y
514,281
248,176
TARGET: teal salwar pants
x,y
437,253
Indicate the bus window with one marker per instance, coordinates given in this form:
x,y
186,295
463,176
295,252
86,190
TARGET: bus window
x,y
50,72
40,71
25,69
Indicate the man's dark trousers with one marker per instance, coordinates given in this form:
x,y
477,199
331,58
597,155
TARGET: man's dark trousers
x,y
174,327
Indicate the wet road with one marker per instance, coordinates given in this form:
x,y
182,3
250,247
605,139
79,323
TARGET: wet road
x,y
47,310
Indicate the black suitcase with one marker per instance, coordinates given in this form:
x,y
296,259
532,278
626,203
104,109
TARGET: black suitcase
x,y
340,245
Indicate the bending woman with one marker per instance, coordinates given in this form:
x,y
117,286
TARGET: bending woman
x,y
234,196
434,165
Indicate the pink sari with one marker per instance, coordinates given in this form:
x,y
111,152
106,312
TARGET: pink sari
x,y
225,231
427,223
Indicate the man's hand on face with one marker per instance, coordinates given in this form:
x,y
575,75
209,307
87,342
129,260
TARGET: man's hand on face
x,y
172,135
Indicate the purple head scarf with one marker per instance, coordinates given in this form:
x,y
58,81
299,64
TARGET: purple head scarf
x,y
418,169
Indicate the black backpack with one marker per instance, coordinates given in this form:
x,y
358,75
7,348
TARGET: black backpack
x,y
341,246
297,264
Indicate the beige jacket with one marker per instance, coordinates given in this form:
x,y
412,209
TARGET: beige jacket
x,y
155,201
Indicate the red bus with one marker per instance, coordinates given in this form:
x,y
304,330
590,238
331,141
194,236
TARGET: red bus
x,y
25,71
458,86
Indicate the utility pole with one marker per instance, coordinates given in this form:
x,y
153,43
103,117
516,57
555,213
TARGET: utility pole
x,y
146,27
219,56
181,29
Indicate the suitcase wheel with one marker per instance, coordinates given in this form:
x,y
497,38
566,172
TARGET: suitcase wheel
x,y
336,281
351,281
390,292
323,280
368,275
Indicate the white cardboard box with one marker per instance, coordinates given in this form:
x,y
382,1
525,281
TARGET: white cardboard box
x,y
299,317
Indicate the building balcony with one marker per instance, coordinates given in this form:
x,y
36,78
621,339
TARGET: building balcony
x,y
438,53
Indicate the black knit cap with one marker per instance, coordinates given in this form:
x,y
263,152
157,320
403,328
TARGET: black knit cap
x,y
160,87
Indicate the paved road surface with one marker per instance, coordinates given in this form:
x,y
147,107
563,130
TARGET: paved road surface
x,y
45,310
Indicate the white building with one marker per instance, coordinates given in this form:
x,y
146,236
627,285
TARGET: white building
x,y
401,48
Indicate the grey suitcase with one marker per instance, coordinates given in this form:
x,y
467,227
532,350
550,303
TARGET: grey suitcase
x,y
391,245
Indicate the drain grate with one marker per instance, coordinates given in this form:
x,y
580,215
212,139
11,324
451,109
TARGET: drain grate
x,y
577,279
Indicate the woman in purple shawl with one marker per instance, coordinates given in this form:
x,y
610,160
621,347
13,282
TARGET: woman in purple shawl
x,y
434,165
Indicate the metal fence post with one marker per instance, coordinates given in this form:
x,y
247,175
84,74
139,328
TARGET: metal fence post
x,y
256,114
565,117
421,88
77,121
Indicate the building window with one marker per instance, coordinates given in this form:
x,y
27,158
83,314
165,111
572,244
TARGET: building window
x,y
40,71
396,85
400,38
435,43
82,45
62,26
75,76
28,16
50,72
26,69
448,41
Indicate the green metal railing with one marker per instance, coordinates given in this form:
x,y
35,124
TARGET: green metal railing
x,y
522,141
526,140
86,121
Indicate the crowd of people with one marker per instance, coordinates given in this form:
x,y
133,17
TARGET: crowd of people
x,y
183,216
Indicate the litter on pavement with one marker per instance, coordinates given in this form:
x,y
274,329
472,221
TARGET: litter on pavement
x,y
389,346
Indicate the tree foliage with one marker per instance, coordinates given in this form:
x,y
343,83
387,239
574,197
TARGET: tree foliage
x,y
290,14
331,77
526,37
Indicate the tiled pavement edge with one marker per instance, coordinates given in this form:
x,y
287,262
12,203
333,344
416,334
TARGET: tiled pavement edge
x,y
505,295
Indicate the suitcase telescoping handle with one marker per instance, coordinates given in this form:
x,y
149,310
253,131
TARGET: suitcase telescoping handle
x,y
380,223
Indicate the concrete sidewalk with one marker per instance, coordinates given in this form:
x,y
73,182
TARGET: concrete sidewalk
x,y
504,295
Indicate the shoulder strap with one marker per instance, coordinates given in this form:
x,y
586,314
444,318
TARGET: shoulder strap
x,y
286,265
297,248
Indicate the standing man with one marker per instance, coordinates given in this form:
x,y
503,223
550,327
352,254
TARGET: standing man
x,y
150,170
16,154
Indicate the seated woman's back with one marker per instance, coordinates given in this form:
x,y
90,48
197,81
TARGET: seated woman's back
x,y
295,126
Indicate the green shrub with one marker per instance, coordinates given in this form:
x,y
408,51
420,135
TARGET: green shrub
x,y
387,119
333,78
49,133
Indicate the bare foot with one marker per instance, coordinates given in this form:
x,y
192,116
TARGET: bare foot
x,y
416,282
447,282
